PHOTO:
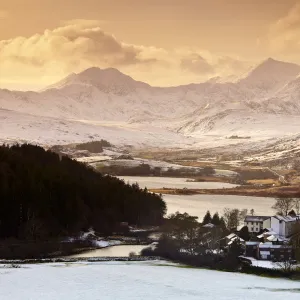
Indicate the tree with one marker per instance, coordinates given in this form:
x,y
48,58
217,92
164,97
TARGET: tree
x,y
292,213
242,214
252,212
207,218
216,219
295,239
282,206
286,266
44,196
184,229
244,233
297,206
207,171
223,224
233,217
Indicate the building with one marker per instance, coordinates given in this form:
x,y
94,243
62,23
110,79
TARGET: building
x,y
281,225
251,249
269,235
268,251
231,238
255,223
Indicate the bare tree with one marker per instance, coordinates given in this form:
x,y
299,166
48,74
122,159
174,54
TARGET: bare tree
x,y
297,206
283,206
242,215
295,239
252,212
233,217
285,266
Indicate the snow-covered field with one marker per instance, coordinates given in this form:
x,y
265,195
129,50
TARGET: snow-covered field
x,y
17,126
142,280
93,159
170,182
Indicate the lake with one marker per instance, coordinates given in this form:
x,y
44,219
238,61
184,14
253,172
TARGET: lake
x,y
197,205
170,182
137,280
114,251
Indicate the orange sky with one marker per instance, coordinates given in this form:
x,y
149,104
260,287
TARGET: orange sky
x,y
163,42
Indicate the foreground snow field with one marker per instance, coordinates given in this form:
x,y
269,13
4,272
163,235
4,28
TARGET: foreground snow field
x,y
116,280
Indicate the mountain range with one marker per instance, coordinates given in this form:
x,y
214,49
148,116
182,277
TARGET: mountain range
x,y
99,103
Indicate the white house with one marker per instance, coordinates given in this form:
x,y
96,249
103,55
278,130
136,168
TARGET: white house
x,y
281,225
255,223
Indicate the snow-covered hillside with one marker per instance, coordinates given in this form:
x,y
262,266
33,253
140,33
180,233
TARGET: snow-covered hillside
x,y
108,104
20,127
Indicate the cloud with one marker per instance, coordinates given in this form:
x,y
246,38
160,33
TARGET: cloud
x,y
78,44
284,35
196,64
3,14
68,44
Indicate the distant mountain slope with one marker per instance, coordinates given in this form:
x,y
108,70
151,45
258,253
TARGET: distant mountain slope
x,y
269,76
110,98
109,81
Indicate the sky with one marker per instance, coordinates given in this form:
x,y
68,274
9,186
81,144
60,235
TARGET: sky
x,y
161,42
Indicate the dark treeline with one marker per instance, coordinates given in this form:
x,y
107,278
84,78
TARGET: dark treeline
x,y
44,196
147,170
94,146
186,240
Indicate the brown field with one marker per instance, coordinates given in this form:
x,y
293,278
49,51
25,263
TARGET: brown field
x,y
282,191
204,164
264,182
212,179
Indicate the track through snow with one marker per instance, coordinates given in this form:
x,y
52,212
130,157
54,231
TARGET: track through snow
x,y
116,280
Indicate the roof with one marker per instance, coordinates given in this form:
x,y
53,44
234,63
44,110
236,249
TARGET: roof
x,y
287,218
274,238
236,238
252,243
209,225
256,218
230,236
270,246
267,233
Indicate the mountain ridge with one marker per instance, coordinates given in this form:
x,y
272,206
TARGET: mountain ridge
x,y
107,96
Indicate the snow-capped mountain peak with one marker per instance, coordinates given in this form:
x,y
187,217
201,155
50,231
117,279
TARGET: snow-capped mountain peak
x,y
267,95
270,75
106,80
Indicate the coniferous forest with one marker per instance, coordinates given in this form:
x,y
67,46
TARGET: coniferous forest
x,y
43,196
